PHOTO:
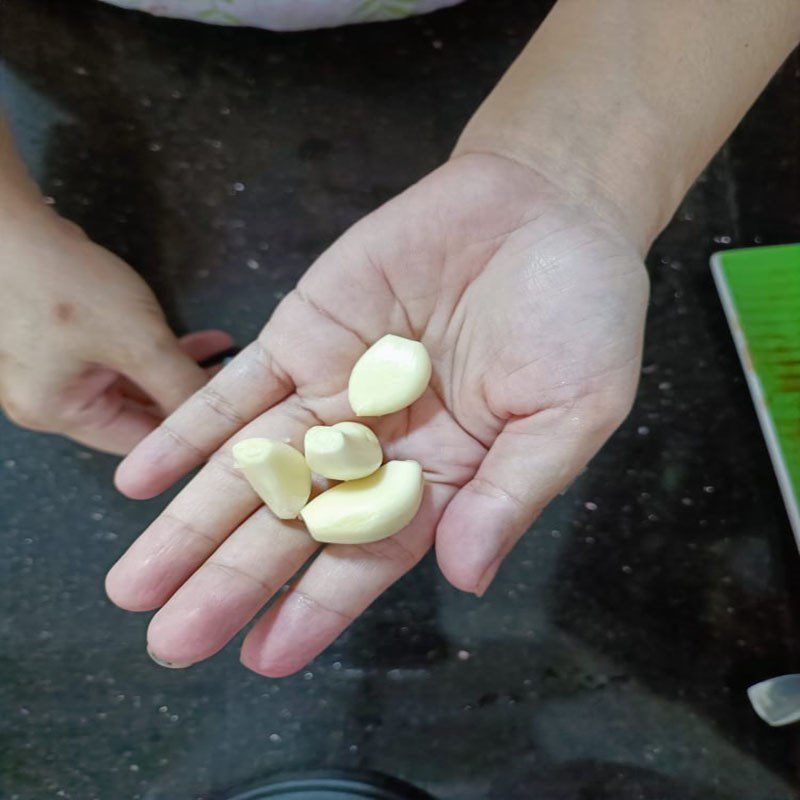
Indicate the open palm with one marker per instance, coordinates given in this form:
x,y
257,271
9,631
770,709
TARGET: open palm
x,y
532,310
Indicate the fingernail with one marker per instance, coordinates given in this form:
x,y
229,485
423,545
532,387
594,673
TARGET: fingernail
x,y
167,664
488,576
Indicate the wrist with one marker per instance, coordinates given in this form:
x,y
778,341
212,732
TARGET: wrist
x,y
23,210
37,223
618,168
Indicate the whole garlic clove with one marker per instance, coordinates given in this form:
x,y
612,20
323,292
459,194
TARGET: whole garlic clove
x,y
391,375
343,452
277,472
369,509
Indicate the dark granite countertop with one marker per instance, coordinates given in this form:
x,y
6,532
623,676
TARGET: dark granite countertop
x,y
608,662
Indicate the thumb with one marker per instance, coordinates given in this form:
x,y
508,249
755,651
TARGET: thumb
x,y
531,462
158,364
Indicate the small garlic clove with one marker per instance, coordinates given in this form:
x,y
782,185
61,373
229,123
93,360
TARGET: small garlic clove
x,y
343,452
369,509
391,375
277,472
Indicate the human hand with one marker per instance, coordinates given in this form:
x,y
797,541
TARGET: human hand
x,y
532,310
86,351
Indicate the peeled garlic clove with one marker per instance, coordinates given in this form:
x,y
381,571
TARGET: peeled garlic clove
x,y
277,472
343,452
368,509
391,375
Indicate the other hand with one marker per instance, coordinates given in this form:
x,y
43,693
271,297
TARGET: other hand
x,y
85,350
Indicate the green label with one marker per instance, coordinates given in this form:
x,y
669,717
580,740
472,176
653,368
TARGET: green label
x,y
763,288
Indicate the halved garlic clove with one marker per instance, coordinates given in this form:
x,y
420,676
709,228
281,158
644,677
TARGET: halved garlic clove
x,y
277,472
343,452
391,375
369,509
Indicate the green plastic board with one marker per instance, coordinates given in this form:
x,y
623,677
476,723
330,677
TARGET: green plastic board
x,y
760,290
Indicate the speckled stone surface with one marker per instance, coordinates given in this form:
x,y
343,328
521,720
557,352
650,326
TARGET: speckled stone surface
x,y
609,661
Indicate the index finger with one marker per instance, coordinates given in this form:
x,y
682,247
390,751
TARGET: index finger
x,y
251,384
